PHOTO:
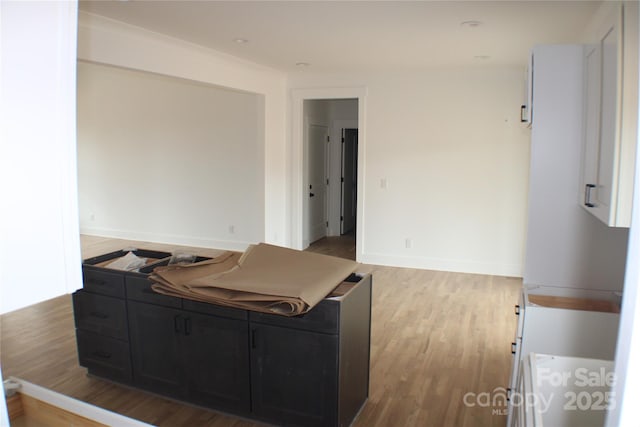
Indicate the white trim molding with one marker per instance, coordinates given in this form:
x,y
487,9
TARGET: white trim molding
x,y
74,406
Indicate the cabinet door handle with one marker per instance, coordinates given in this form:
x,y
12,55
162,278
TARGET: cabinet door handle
x,y
99,315
253,338
513,348
587,195
517,309
176,323
509,394
523,109
187,326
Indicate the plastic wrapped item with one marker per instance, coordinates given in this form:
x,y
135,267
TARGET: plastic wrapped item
x,y
129,262
182,258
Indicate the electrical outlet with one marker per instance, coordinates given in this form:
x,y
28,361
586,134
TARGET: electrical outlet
x,y
232,229
408,243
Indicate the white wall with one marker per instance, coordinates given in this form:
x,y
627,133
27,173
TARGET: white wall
x,y
169,160
40,246
317,111
449,144
343,109
109,42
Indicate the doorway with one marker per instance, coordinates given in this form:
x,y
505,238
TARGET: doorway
x,y
335,119
330,176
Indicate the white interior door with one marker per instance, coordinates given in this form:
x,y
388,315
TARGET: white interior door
x,y
316,192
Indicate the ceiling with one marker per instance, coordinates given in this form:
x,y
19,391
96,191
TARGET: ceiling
x,y
353,36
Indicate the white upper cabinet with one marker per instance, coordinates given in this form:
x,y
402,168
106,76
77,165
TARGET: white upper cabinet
x,y
610,115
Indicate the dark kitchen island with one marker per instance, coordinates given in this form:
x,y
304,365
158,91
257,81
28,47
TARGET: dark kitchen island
x,y
307,370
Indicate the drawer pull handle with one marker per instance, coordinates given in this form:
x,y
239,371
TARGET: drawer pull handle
x,y
102,354
517,309
587,195
99,315
508,394
513,348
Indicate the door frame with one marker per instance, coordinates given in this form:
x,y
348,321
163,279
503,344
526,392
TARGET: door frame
x,y
298,96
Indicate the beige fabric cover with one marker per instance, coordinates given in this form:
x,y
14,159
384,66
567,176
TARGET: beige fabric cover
x,y
265,278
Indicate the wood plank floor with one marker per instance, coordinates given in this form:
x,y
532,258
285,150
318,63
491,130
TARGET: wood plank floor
x,y
340,246
436,337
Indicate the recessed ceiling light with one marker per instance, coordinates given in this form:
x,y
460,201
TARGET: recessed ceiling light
x,y
302,64
240,40
470,24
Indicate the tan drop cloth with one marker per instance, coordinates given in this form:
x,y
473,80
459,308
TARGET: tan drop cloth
x,y
265,278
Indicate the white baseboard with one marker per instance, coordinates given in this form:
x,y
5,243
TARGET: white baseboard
x,y
439,264
423,263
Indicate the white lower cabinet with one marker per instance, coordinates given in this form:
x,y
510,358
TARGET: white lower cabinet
x,y
560,391
563,322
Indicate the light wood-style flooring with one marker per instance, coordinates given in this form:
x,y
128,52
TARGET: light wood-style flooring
x,y
436,337
340,246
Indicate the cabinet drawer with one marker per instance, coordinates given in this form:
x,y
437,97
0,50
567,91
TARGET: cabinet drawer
x,y
324,317
103,282
104,356
100,314
139,289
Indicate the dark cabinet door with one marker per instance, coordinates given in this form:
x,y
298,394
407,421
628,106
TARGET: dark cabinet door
x,y
217,358
294,376
155,348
